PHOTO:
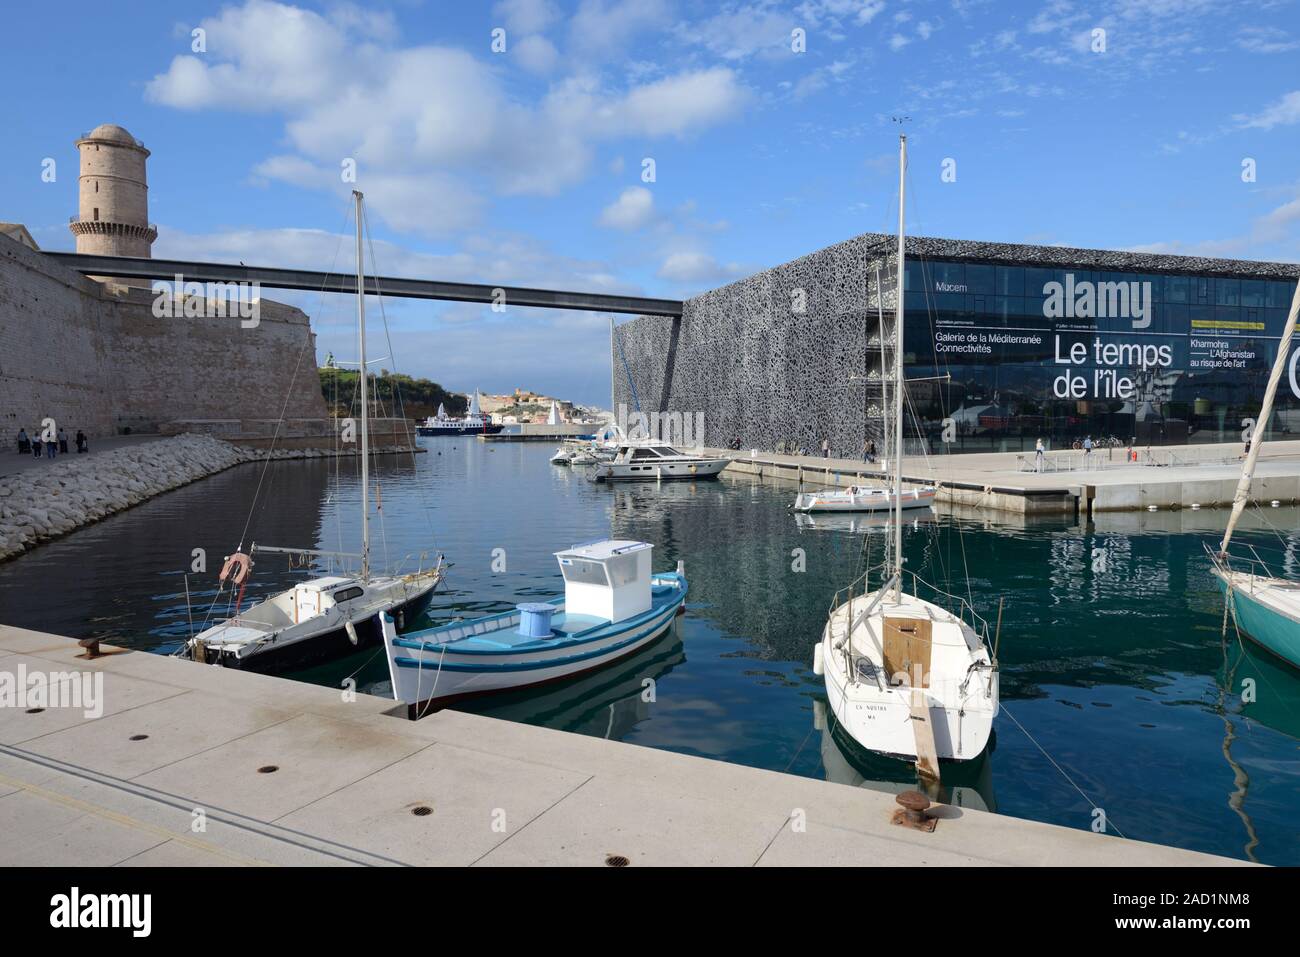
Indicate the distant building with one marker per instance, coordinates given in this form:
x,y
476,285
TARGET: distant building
x,y
97,356
1003,345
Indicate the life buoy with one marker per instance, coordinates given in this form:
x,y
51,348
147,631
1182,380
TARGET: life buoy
x,y
238,565
237,568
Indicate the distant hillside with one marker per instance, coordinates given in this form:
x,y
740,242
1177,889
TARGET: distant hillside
x,y
419,397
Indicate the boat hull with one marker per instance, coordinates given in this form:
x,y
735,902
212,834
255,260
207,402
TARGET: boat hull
x,y
427,675
880,719
318,648
1271,628
658,472
437,430
837,500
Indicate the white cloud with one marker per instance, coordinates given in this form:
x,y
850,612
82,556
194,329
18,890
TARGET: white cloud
x,y
739,32
633,209
696,267
680,104
1282,113
1266,40
898,41
1278,223
525,16
536,54
402,112
601,29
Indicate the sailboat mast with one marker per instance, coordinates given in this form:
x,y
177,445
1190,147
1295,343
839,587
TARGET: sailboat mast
x,y
898,376
1266,410
612,411
365,411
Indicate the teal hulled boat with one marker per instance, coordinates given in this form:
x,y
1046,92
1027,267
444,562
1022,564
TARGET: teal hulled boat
x,y
1265,608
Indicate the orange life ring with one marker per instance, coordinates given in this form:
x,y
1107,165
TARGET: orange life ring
x,y
238,565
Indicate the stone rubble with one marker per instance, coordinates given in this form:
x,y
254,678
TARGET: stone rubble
x,y
39,504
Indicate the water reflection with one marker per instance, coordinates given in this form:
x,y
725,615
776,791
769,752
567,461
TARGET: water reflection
x,y
965,784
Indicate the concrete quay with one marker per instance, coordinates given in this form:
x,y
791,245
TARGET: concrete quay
x,y
1071,483
284,773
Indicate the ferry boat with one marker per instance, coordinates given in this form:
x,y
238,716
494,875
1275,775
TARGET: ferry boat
x,y
474,422
653,461
612,607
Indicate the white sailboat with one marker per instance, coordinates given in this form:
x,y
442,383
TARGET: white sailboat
x,y
905,676
327,616
863,498
1265,607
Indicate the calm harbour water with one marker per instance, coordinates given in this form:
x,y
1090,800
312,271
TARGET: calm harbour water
x,y
1110,646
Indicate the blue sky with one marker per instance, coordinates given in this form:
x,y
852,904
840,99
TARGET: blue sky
x,y
525,166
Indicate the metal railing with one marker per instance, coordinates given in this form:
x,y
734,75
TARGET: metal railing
x,y
955,605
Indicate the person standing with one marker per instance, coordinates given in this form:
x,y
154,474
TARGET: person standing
x,y
1087,447
1038,456
51,447
83,445
36,445
826,448
24,443
63,440
870,454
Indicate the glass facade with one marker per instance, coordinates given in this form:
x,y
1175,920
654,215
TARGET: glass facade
x,y
1126,358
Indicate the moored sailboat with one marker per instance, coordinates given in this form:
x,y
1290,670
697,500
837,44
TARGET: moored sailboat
x,y
1265,607
906,676
327,616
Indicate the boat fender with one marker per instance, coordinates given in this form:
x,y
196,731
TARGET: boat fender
x,y
401,619
351,629
817,659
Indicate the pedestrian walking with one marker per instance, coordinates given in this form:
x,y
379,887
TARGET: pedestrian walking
x,y
1087,447
1038,456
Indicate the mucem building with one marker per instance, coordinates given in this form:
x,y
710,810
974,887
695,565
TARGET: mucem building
x,y
1003,344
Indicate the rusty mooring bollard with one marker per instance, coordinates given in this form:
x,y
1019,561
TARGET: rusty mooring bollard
x,y
911,811
92,647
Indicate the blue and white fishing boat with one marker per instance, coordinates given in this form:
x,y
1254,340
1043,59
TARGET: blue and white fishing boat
x,y
1265,608
612,606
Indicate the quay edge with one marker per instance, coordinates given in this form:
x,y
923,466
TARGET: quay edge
x,y
349,773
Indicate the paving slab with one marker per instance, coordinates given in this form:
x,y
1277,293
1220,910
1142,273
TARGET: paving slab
x,y
47,833
25,724
176,728
312,757
474,801
619,817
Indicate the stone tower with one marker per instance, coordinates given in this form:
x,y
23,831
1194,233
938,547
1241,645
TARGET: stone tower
x,y
114,195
